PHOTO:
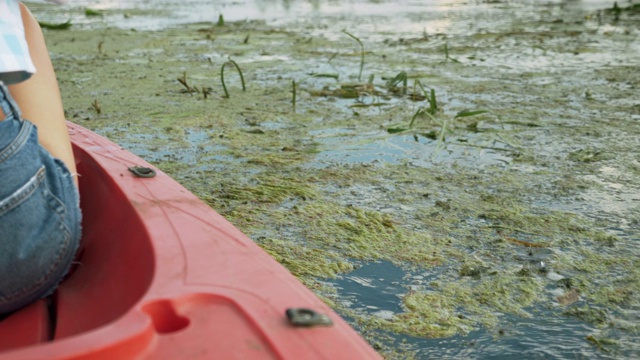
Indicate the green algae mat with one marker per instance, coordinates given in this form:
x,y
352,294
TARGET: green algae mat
x,y
456,183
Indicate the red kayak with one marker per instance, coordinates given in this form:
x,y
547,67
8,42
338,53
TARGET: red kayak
x,y
164,276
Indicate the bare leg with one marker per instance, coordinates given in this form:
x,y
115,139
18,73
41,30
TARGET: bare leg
x,y
39,97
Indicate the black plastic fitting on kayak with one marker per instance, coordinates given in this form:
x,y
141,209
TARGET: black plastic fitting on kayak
x,y
307,318
143,172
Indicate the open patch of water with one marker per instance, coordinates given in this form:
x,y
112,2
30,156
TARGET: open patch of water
x,y
515,338
377,289
416,150
374,287
190,147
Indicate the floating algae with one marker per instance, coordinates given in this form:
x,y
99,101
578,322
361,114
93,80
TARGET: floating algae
x,y
509,225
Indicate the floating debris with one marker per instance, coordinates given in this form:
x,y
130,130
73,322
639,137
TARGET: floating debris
x,y
569,297
526,243
56,26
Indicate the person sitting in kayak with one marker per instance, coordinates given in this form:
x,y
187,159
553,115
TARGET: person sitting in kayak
x,y
39,201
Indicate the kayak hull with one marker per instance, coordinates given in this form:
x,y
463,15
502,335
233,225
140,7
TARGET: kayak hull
x,y
163,276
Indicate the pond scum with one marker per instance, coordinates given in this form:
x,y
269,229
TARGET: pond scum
x,y
502,237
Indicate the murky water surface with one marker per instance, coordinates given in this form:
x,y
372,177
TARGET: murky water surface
x,y
468,179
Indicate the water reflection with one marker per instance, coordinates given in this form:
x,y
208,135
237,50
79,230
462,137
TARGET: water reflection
x,y
175,12
375,288
379,18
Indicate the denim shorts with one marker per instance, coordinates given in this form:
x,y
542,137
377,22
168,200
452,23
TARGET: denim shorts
x,y
39,213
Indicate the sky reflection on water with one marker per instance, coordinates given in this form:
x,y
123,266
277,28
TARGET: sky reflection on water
x,y
281,12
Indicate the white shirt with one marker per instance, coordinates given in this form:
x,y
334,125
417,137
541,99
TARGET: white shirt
x,y
15,60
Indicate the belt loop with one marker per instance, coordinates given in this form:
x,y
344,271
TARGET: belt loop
x,y
9,107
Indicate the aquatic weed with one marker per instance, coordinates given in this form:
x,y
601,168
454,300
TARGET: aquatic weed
x,y
467,113
393,83
446,54
95,105
430,97
603,344
501,182
361,52
224,87
306,263
293,97
269,190
595,316
325,75
90,12
183,81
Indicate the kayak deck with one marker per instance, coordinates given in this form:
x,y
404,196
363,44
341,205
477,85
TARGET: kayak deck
x,y
164,276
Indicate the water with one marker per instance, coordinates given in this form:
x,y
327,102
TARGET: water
x,y
438,16
378,287
560,79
